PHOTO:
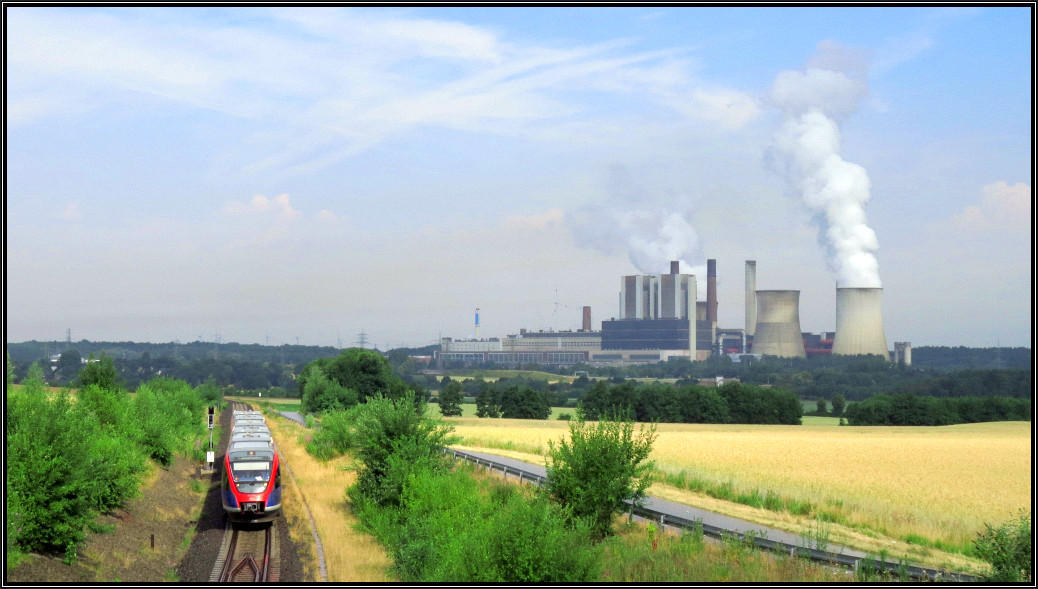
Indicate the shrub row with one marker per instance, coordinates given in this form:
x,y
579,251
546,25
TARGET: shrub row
x,y
909,409
69,460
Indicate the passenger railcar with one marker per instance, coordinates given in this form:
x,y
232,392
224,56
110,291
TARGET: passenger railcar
x,y
251,481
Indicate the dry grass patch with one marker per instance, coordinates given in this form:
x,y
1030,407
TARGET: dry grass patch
x,y
350,556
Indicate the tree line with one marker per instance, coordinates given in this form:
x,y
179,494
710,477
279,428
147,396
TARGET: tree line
x,y
912,409
273,370
67,462
732,402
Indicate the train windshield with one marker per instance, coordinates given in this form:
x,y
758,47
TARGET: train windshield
x,y
251,470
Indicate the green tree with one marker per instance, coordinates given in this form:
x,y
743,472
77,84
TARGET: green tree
x,y
69,364
523,402
365,372
450,400
101,372
10,370
209,392
839,404
599,468
822,408
488,403
321,393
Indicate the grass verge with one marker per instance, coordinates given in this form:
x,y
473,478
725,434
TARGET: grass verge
x,y
351,556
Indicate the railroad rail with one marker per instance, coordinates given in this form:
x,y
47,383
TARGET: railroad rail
x,y
901,569
248,556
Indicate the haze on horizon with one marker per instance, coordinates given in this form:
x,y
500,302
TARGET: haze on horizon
x,y
268,174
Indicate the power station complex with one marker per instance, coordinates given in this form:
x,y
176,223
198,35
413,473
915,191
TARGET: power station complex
x,y
661,317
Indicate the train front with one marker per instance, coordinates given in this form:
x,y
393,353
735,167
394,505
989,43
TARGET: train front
x,y
251,484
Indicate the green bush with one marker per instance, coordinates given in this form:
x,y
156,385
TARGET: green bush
x,y
156,425
451,528
337,434
66,462
601,466
115,472
392,436
47,469
208,392
1009,549
101,372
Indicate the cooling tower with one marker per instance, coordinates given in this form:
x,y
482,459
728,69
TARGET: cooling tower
x,y
751,296
859,323
778,324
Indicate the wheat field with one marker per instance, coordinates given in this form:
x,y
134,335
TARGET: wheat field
x,y
927,484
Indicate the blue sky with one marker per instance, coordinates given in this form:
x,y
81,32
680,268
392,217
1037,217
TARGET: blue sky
x,y
268,174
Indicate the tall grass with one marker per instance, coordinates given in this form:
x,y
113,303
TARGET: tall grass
x,y
351,556
642,554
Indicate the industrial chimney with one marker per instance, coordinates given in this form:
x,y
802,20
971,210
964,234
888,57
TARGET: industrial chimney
x,y
586,325
751,296
859,323
711,291
778,324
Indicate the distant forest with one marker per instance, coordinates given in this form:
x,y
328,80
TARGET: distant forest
x,y
239,366
935,371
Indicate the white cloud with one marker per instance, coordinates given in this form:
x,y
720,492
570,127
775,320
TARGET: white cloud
x,y
1002,208
279,206
334,83
728,108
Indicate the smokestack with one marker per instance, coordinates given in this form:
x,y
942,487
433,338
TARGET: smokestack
x,y
587,319
477,322
859,323
675,267
711,290
751,296
778,324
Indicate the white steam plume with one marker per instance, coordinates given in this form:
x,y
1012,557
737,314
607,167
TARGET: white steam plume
x,y
652,230
808,144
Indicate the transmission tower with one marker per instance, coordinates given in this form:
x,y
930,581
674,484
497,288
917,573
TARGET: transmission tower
x,y
362,339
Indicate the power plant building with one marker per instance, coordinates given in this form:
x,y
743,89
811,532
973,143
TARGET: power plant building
x,y
660,318
661,313
903,353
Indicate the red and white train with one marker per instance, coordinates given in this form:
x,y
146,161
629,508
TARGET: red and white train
x,y
251,470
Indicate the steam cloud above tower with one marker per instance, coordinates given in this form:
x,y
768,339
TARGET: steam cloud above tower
x,y
807,147
653,230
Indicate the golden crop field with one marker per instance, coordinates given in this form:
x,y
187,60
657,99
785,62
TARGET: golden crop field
x,y
936,483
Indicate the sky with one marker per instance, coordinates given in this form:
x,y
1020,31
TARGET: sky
x,y
301,175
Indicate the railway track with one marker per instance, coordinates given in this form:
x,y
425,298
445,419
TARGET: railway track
x,y
248,555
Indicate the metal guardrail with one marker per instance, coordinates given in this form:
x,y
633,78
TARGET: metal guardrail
x,y
856,563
